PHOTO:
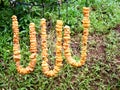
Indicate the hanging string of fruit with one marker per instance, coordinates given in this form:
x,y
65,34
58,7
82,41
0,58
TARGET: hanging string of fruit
x,y
66,45
58,62
16,47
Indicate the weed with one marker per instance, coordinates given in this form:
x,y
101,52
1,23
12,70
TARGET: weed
x,y
102,68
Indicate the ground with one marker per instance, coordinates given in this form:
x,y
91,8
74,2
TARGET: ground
x,y
102,65
102,68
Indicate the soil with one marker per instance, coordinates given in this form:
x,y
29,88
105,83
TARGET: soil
x,y
97,50
96,53
117,28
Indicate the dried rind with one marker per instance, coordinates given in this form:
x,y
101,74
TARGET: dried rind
x,y
16,47
66,45
44,54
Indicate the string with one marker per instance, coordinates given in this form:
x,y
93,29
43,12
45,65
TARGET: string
x,y
59,9
43,5
66,11
86,3
43,8
14,3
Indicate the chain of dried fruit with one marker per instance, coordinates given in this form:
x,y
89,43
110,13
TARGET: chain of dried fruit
x,y
58,62
16,47
66,45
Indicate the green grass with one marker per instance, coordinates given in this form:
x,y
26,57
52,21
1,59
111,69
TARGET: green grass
x,y
102,68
